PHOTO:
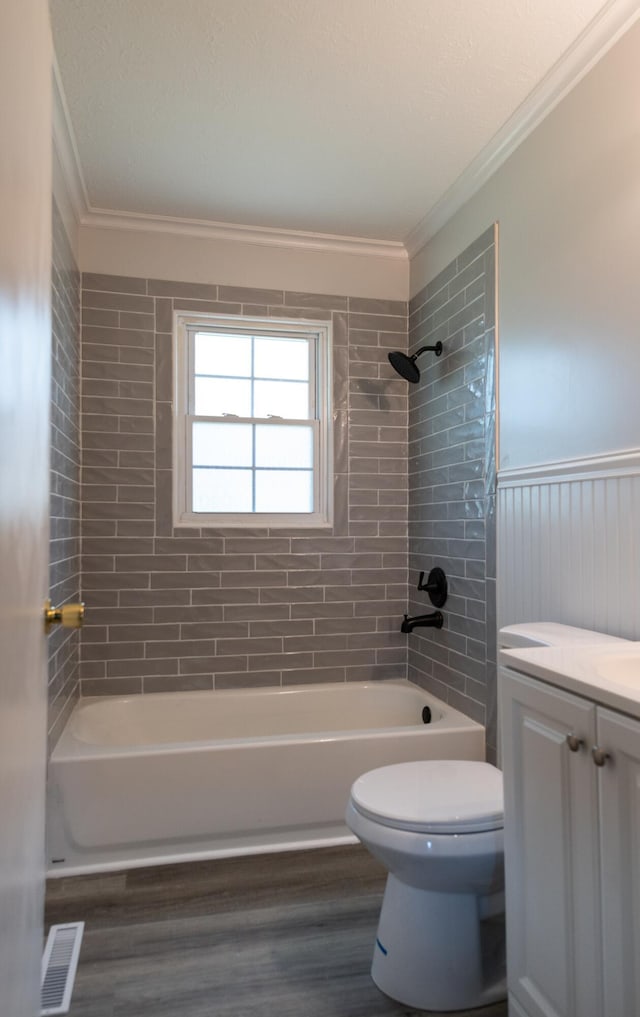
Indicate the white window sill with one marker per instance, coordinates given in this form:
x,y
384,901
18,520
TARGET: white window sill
x,y
254,521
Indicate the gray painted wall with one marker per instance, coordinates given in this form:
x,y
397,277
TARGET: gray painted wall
x,y
568,206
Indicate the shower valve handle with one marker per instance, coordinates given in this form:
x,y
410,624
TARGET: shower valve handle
x,y
435,586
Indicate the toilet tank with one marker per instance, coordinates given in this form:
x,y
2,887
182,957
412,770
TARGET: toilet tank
x,y
549,634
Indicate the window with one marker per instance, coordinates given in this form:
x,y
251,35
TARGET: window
x,y
252,434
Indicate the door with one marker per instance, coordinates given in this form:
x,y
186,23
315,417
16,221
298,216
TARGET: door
x,y
25,216
551,850
619,785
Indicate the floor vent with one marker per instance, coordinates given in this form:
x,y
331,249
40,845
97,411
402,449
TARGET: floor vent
x,y
59,963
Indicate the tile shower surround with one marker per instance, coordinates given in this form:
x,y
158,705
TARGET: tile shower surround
x,y
199,609
452,481
64,547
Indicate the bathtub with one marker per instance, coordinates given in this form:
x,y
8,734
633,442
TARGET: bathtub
x,y
142,780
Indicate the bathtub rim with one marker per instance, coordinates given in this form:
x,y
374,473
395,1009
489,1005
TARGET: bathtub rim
x,y
69,748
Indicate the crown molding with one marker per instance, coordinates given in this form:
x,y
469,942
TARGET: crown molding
x,y
98,218
260,235
597,38
64,143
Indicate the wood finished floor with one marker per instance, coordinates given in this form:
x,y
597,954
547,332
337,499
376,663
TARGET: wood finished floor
x,y
284,935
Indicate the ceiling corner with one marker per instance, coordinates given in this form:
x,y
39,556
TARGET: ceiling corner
x,y
599,36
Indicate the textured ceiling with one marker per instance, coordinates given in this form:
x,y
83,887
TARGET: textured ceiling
x,y
349,117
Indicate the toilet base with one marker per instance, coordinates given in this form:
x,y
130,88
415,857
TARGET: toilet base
x,y
433,952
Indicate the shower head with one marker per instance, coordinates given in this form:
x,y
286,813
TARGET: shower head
x,y
406,366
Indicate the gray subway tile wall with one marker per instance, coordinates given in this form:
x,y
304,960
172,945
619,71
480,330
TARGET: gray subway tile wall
x,y
176,608
64,545
452,478
173,608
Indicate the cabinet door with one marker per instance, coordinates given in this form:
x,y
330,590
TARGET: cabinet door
x,y
551,850
619,785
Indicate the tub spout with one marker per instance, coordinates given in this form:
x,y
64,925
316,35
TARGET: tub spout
x,y
428,621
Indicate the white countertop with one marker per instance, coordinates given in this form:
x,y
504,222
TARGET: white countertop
x,y
579,669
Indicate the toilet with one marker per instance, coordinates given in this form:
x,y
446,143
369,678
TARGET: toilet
x,y
437,827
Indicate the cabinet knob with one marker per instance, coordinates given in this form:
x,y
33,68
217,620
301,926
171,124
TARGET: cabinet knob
x,y
599,755
574,742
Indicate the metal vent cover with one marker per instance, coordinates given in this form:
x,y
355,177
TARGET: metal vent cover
x,y
59,964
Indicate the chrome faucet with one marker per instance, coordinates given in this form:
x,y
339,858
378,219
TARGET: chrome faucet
x,y
428,621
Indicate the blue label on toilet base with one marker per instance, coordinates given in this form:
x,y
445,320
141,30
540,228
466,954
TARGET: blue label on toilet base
x,y
379,944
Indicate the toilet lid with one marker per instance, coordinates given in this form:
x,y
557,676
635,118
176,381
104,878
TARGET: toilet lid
x,y
435,796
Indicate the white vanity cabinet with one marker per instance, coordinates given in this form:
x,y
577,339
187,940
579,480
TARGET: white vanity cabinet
x,y
572,852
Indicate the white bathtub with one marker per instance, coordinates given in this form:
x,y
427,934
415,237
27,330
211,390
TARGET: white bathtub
x,y
143,780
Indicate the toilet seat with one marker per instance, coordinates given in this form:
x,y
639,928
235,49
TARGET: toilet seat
x,y
436,796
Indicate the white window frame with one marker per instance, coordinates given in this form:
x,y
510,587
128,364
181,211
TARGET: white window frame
x,y
318,333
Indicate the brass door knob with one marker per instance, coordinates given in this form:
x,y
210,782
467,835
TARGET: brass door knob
x,y
70,616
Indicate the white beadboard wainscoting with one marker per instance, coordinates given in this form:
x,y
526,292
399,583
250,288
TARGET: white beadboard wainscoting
x,y
569,543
